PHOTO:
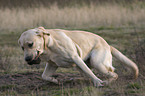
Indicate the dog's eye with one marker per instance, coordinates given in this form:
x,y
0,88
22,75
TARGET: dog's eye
x,y
30,45
22,48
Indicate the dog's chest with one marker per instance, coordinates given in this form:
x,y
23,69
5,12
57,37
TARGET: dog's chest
x,y
62,61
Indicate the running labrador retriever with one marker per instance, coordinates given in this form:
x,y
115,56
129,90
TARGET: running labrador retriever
x,y
63,48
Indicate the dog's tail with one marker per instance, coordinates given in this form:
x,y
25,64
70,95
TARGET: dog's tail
x,y
125,60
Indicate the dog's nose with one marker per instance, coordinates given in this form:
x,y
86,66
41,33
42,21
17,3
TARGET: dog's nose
x,y
28,58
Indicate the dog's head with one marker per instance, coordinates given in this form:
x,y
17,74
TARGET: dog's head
x,y
33,42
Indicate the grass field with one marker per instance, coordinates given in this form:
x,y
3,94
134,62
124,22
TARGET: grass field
x,y
121,25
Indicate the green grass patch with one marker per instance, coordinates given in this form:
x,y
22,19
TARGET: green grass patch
x,y
134,86
6,87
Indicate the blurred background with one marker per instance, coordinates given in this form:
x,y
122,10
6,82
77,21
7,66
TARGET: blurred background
x,y
23,14
120,22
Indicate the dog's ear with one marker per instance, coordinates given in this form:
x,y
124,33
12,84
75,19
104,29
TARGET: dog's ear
x,y
42,31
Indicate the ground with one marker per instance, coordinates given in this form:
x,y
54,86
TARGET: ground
x,y
31,82
25,82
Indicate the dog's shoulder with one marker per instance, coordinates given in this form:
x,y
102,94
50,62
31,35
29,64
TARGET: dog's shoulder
x,y
58,34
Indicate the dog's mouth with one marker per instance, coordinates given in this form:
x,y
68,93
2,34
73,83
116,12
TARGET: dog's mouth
x,y
36,60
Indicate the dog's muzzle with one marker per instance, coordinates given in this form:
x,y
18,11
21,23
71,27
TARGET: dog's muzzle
x,y
36,61
31,61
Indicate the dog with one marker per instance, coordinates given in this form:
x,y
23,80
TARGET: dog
x,y
63,48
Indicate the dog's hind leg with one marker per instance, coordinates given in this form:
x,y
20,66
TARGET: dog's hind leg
x,y
102,61
50,68
111,75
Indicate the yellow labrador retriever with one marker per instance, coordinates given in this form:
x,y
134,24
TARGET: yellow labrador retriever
x,y
63,48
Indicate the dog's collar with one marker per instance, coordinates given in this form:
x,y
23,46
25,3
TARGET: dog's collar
x,y
48,43
45,46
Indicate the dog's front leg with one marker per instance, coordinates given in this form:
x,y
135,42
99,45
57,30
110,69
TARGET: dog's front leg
x,y
86,70
50,68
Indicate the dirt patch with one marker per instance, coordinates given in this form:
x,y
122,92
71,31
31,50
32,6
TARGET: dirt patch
x,y
29,82
24,82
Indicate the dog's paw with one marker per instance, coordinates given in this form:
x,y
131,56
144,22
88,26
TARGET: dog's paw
x,y
50,79
54,81
98,83
106,82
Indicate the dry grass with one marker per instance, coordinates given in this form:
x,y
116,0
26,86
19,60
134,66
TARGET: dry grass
x,y
86,16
